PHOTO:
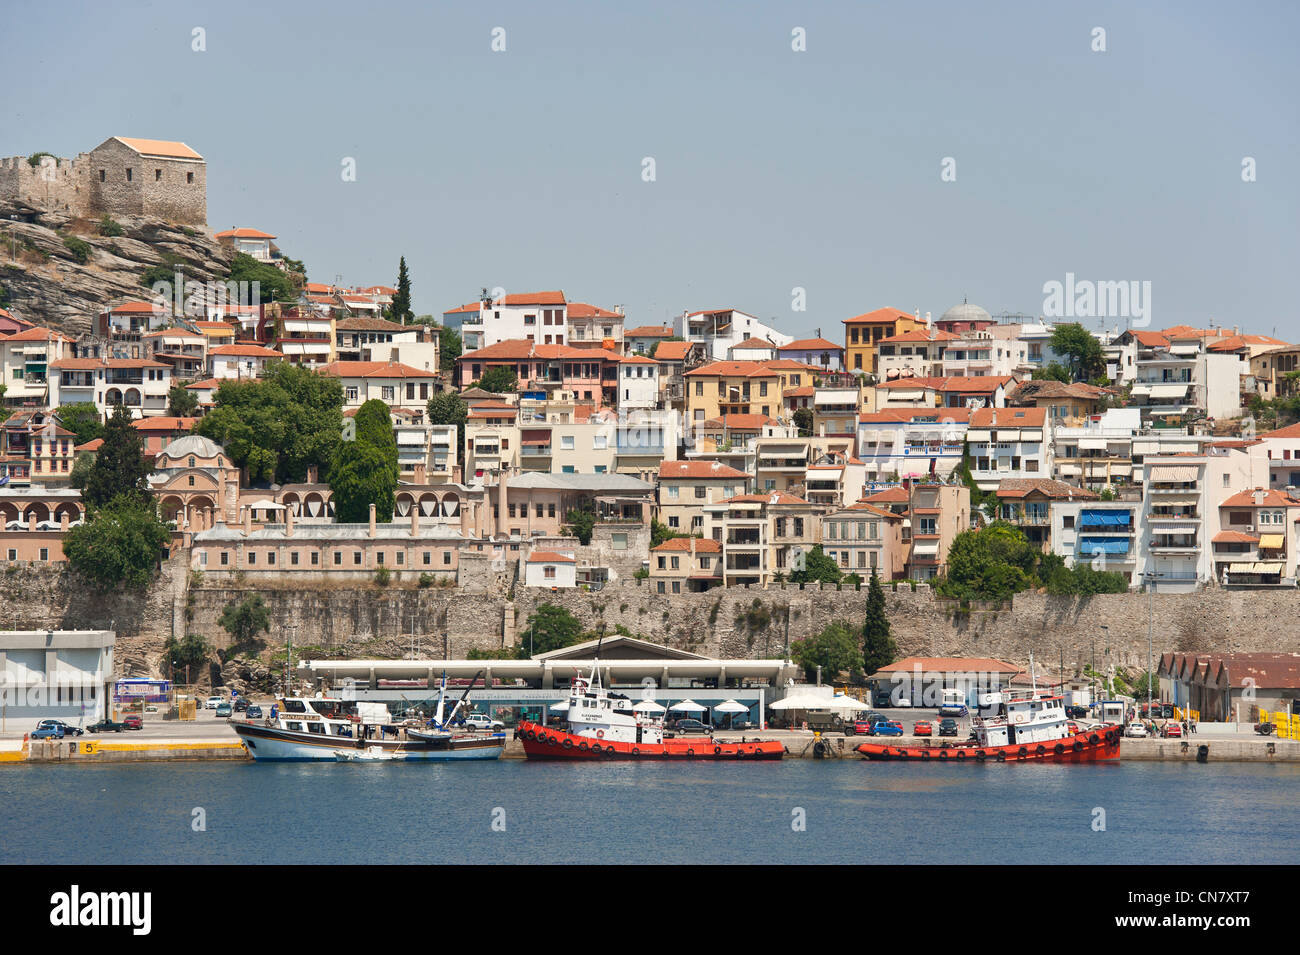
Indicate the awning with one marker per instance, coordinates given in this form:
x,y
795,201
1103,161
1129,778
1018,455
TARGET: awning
x,y
1092,444
1176,390
1267,541
410,437
1258,567
925,549
1173,474
897,394
1107,545
1105,518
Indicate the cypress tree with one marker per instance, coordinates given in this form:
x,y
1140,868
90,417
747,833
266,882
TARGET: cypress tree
x,y
120,468
878,647
400,310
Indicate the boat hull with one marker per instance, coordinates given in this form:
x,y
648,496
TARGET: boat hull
x,y
1093,746
271,744
547,742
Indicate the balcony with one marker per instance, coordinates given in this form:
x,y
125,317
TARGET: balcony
x,y
745,538
1186,544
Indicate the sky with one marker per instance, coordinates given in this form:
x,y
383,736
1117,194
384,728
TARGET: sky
x,y
910,155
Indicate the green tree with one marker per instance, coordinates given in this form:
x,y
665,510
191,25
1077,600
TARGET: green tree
x,y
582,521
1080,349
549,627
273,285
82,419
816,566
276,426
835,650
121,469
992,563
662,532
803,419
361,476
449,346
374,426
1054,371
244,621
119,545
181,402
499,379
878,646
400,309
81,469
190,653
448,407
4,412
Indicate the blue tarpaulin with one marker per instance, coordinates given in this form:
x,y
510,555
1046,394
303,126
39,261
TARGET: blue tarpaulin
x,y
1107,545
1105,519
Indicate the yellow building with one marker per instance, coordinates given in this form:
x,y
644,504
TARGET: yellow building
x,y
863,332
741,388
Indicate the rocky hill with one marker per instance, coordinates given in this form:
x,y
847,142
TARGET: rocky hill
x,y
46,282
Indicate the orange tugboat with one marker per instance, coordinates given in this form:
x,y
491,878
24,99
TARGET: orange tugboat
x,y
1035,727
604,725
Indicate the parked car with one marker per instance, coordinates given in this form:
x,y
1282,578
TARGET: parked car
x,y
47,732
481,721
212,703
1173,730
922,728
887,728
947,727
132,723
224,710
1073,727
240,705
1136,730
688,725
1077,712
105,726
67,730
254,712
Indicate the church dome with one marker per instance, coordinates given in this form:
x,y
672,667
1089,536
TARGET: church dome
x,y
965,312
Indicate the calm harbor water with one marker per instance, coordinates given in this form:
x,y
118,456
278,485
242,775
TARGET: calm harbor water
x,y
649,813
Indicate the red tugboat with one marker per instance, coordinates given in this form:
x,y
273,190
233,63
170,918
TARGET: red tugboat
x,y
1032,728
604,725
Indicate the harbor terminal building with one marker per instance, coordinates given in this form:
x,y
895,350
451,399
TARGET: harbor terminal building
x,y
514,690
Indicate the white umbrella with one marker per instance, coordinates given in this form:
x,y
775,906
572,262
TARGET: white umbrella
x,y
731,706
688,706
801,703
848,703
648,706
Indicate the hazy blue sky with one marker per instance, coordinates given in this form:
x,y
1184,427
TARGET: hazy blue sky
x,y
775,168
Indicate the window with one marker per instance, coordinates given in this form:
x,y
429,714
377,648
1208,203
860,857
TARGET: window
x,y
356,559
157,175
338,558
379,557
426,557
128,174
293,559
103,175
566,442
252,558
446,557
225,558
618,541
45,554
315,559
548,572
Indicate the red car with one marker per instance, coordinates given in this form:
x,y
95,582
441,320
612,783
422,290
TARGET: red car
x,y
1073,727
922,728
1173,731
133,723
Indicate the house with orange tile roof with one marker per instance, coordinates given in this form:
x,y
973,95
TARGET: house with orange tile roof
x,y
898,443
184,350
550,569
587,375
1282,446
683,488
1257,542
722,388
1273,371
141,384
1009,443
395,384
243,360
752,349
864,539
25,358
640,340
251,242
762,535
685,565
10,323
544,318
863,334
816,352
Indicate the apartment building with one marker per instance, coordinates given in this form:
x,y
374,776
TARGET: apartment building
x,y
938,513
1272,371
782,461
1027,504
643,339
918,353
185,351
1256,543
834,480
240,361
395,384
36,449
1107,450
1106,535
1282,446
25,360
589,375
762,535
638,383
1008,443
686,565
141,384
864,539
685,488
981,353
543,318
863,334
1173,374
717,330
899,443
819,353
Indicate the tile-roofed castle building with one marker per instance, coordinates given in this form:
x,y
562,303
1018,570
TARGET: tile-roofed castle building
x,y
120,176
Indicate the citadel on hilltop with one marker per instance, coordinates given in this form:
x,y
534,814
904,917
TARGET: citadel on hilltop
x,y
120,176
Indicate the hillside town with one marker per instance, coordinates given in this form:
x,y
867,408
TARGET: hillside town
x,y
534,439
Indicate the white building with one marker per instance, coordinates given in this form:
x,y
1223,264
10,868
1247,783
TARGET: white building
x,y
241,361
718,330
977,353
25,359
56,674
550,569
638,383
899,443
1008,443
544,318
139,383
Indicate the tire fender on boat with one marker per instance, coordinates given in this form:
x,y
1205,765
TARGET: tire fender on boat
x,y
1040,749
1058,749
1002,757
583,746
690,752
1093,739
1022,752
567,744
717,751
1078,745
636,751
981,755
